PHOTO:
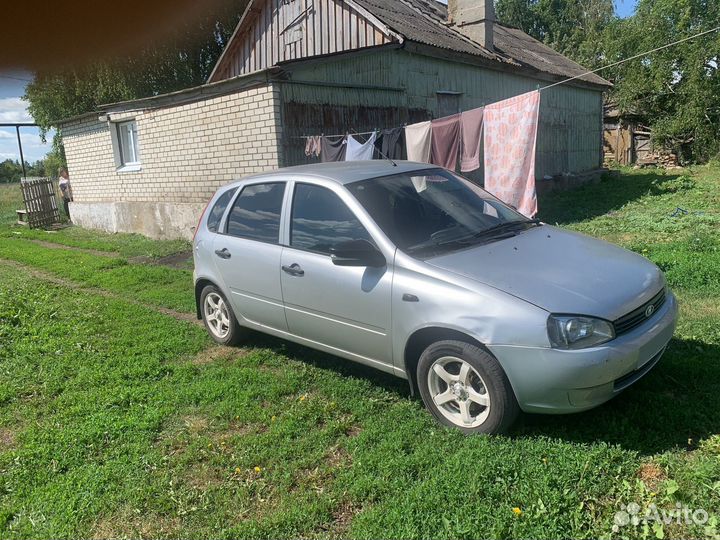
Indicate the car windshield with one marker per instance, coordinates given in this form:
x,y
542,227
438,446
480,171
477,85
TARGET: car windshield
x,y
430,212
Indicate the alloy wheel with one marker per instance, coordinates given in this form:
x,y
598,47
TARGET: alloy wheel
x,y
459,392
216,315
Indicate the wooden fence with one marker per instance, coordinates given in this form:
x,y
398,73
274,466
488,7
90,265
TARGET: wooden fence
x,y
40,202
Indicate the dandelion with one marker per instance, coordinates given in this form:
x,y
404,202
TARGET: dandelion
x,y
517,511
258,469
238,470
273,418
302,398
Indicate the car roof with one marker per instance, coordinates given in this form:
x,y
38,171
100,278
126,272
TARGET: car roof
x,y
344,172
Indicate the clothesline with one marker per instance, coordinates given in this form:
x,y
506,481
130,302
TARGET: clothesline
x,y
351,132
542,88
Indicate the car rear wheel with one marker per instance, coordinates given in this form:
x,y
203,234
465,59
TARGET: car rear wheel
x,y
464,387
218,317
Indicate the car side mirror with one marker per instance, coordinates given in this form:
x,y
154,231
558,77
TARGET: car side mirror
x,y
357,253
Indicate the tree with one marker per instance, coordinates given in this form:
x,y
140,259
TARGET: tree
x,y
183,61
11,170
676,90
574,28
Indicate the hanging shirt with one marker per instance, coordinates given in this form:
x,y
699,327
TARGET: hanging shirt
x,y
357,151
332,149
418,138
510,139
312,146
391,143
471,123
446,141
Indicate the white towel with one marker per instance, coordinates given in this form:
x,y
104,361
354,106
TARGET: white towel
x,y
357,151
418,138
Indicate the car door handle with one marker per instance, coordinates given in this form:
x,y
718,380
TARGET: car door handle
x,y
223,253
293,270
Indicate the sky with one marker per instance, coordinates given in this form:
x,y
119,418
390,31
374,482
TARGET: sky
x,y
14,109
625,8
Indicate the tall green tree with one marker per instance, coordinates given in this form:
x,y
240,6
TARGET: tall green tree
x,y
574,28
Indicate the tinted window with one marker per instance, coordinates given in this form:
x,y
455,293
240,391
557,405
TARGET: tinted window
x,y
256,212
320,220
218,209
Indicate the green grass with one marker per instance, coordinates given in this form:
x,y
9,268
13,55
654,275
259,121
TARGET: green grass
x,y
125,245
119,421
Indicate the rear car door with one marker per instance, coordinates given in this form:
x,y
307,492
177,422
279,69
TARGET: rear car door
x,y
247,254
345,308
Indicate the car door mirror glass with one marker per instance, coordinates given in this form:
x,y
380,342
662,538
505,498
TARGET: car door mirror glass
x,y
357,253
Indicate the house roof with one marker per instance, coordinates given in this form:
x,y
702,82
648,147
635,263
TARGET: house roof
x,y
425,21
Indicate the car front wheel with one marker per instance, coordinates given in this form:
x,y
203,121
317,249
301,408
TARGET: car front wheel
x,y
218,317
465,387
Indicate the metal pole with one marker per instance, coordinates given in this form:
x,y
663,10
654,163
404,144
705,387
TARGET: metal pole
x,y
22,159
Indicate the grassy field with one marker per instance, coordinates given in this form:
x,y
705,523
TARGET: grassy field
x,y
119,418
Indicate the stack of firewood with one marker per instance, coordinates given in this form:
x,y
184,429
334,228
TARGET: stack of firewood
x,y
666,160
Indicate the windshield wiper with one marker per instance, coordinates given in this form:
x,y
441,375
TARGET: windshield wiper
x,y
496,232
508,226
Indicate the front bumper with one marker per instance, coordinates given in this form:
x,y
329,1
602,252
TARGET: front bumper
x,y
561,381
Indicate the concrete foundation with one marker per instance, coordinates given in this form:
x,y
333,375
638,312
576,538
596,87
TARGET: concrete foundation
x,y
160,220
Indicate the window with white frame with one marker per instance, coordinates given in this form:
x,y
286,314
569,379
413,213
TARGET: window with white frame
x,y
128,143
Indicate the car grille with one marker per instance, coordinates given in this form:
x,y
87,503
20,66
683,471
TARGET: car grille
x,y
636,317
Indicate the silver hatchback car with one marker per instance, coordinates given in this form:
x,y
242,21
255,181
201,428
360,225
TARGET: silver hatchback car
x,y
413,270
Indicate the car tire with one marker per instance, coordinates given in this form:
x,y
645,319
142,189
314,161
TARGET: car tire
x,y
464,387
218,317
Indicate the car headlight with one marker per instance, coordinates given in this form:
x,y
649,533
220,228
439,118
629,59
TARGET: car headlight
x,y
578,332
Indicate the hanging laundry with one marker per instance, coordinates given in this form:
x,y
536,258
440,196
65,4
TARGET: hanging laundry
x,y
312,146
510,139
359,151
418,139
446,141
471,122
391,143
332,149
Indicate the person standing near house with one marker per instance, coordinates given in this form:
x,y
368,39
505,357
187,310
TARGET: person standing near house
x,y
65,189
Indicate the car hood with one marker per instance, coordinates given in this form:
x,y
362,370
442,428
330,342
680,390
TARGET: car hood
x,y
560,271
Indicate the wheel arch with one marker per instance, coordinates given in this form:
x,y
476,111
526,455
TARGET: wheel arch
x,y
421,339
200,284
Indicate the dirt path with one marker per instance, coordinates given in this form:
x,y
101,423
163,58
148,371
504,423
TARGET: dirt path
x,y
52,278
181,260
53,245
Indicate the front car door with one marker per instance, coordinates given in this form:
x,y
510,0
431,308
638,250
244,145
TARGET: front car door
x,y
248,252
346,309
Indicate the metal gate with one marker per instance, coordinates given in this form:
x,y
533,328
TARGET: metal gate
x,y
40,202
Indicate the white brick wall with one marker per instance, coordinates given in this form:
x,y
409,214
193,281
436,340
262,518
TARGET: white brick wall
x,y
186,151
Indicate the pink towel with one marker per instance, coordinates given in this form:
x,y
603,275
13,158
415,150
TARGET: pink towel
x,y
446,141
510,137
472,123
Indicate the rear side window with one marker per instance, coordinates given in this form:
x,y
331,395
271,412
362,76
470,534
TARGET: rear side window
x,y
218,209
256,212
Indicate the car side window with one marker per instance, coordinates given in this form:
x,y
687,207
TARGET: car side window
x,y
321,220
256,212
218,209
